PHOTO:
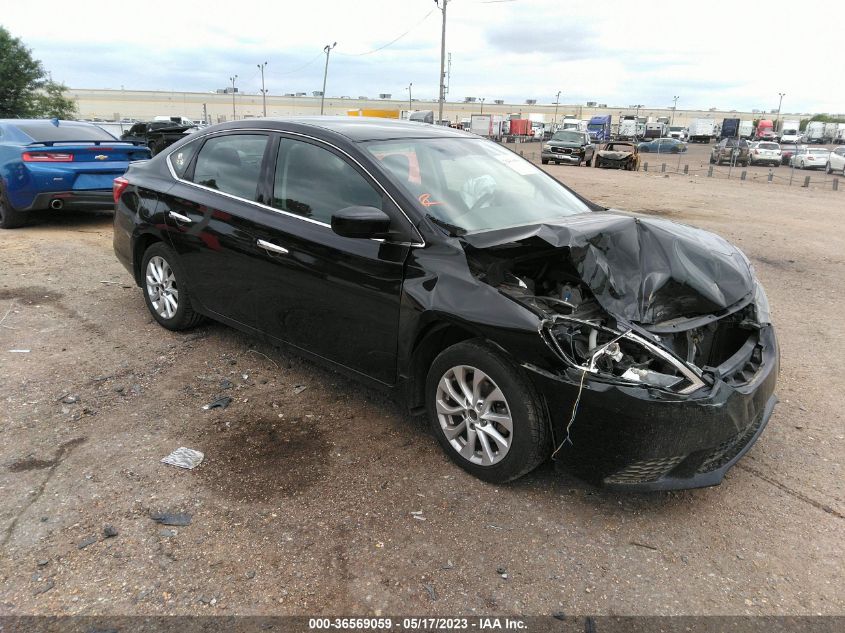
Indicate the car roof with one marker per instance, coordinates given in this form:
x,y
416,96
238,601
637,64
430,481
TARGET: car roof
x,y
355,128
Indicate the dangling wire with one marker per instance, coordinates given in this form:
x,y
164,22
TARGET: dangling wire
x,y
572,417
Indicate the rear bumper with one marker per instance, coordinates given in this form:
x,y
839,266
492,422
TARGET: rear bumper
x,y
634,439
91,200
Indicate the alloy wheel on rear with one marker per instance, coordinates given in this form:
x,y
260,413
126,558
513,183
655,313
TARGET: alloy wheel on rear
x,y
474,415
161,287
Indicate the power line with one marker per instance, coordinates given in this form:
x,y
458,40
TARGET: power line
x,y
391,42
298,68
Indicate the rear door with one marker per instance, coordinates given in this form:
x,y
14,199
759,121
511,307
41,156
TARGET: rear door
x,y
211,211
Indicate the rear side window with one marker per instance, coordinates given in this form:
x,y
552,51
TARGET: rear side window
x,y
315,183
46,132
181,158
231,164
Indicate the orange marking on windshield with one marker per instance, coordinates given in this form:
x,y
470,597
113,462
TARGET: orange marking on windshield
x,y
426,201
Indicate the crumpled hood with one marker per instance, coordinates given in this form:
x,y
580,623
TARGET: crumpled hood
x,y
644,270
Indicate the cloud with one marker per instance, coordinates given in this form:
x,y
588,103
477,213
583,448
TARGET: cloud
x,y
573,41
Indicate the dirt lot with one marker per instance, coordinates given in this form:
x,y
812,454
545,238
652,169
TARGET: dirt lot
x,y
305,501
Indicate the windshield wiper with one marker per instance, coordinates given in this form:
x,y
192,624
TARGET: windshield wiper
x,y
452,229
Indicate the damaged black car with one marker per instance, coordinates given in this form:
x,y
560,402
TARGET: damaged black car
x,y
524,321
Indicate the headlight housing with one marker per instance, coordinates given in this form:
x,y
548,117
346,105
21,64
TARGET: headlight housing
x,y
547,148
624,357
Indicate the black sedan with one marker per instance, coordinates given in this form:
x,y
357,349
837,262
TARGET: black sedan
x,y
523,320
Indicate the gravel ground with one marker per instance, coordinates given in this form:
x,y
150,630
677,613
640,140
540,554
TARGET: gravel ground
x,y
332,500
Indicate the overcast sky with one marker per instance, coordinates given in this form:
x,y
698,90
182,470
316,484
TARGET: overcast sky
x,y
618,53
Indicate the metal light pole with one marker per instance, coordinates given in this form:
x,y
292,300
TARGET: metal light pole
x,y
261,67
232,79
780,103
637,122
674,107
327,50
557,103
410,107
482,104
441,81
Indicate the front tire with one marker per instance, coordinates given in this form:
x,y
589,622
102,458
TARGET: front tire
x,y
165,289
485,413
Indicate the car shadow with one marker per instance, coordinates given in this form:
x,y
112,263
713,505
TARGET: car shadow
x,y
69,220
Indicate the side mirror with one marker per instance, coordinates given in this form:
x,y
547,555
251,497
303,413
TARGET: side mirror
x,y
361,222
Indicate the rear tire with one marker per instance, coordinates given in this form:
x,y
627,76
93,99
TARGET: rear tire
x,y
828,169
471,429
9,217
165,290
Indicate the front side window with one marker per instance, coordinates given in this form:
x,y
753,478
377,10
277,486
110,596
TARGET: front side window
x,y
231,164
315,183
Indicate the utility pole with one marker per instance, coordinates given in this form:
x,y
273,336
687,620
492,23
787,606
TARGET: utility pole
x,y
780,103
261,67
441,81
327,50
557,103
410,107
232,79
482,104
674,107
637,122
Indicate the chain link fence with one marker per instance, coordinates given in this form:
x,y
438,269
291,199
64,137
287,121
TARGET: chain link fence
x,y
657,164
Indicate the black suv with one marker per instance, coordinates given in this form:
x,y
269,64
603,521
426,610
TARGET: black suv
x,y
568,146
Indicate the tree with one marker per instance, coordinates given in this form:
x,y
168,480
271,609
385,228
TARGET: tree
x,y
20,75
51,103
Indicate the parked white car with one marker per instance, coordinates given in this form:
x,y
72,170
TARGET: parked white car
x,y
836,161
679,132
810,158
765,152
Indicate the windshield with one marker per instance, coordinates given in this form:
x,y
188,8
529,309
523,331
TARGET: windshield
x,y
569,137
768,146
474,185
819,151
676,129
595,126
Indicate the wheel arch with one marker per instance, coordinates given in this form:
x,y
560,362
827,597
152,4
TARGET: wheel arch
x,y
140,244
428,344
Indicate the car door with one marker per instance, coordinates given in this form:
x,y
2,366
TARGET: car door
x,y
210,211
333,296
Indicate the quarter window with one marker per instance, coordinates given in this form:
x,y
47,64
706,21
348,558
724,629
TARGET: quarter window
x,y
181,158
315,183
231,164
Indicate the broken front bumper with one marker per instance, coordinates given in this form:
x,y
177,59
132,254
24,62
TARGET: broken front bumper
x,y
636,438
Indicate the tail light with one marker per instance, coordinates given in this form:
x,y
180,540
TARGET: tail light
x,y
118,187
46,157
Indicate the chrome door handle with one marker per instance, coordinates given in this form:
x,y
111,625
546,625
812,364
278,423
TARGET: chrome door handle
x,y
180,217
272,247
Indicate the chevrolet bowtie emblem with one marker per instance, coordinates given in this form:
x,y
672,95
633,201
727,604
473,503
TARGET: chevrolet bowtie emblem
x,y
100,157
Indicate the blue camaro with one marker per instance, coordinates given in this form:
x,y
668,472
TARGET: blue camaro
x,y
53,164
